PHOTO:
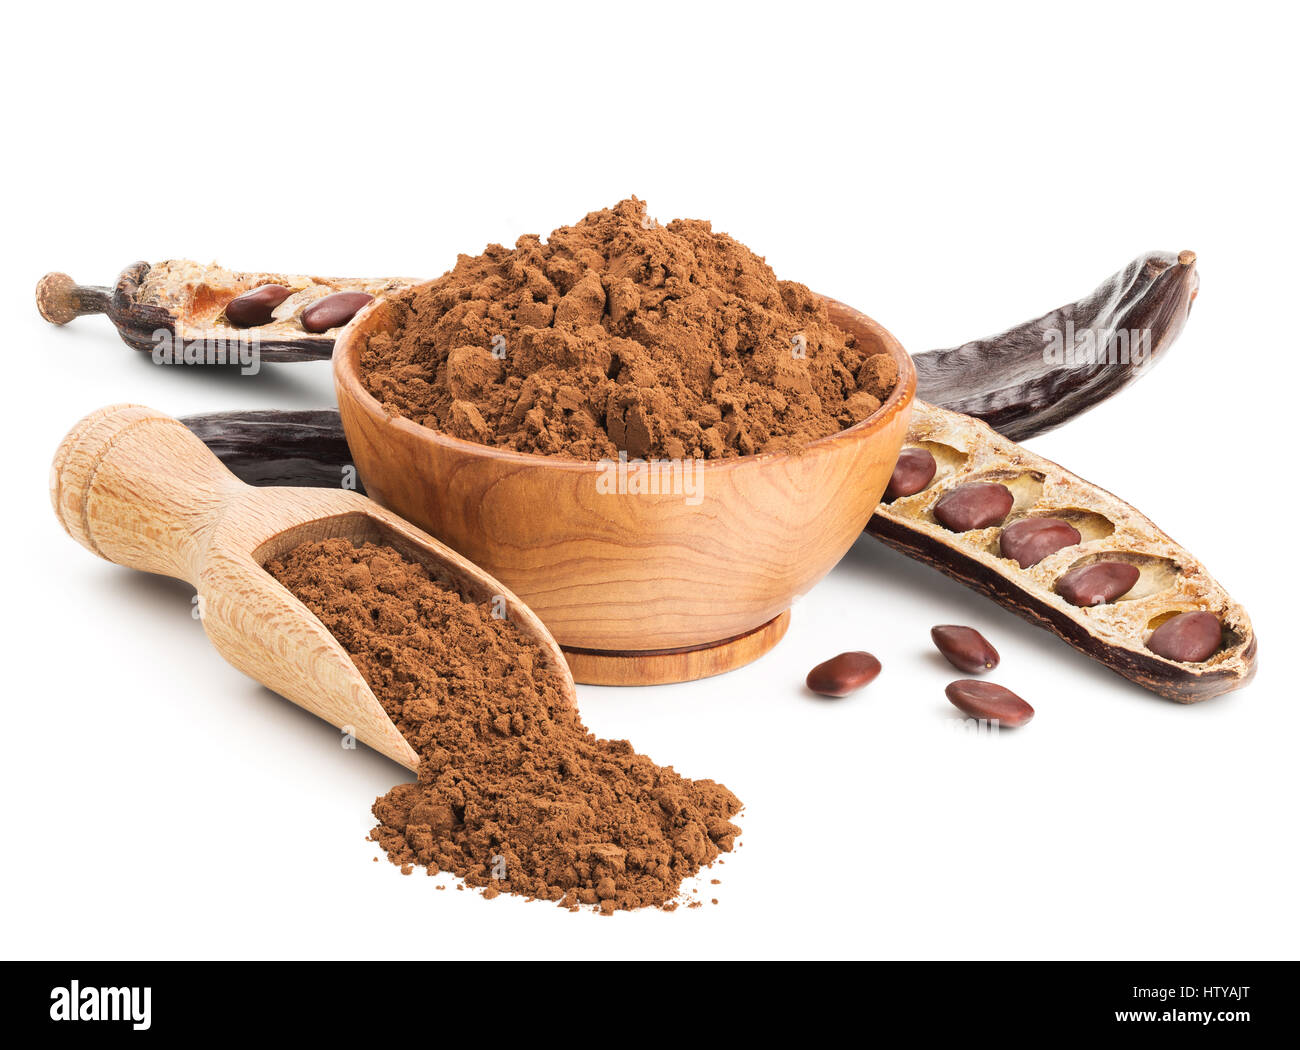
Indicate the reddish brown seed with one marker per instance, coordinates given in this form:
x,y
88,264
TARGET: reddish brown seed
x,y
841,675
913,472
989,701
1189,637
976,505
1030,540
1096,584
254,307
964,647
333,310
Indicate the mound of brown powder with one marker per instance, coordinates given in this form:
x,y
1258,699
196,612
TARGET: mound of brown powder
x,y
513,793
618,334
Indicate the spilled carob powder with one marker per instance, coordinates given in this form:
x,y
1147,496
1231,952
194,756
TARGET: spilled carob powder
x,y
618,334
513,793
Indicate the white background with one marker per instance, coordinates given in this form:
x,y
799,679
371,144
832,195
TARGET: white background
x,y
951,170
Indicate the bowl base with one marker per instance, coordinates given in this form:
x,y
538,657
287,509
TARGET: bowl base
x,y
664,666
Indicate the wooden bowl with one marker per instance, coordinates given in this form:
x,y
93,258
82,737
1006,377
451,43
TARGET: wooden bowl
x,y
638,588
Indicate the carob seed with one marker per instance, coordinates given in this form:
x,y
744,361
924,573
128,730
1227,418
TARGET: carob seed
x,y
987,700
1097,584
333,310
977,505
1030,540
964,647
914,470
254,307
1189,637
841,675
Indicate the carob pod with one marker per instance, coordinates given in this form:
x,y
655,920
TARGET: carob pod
x,y
1010,382
304,449
189,301
1005,379
1169,580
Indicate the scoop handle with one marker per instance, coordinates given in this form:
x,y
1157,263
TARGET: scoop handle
x,y
136,487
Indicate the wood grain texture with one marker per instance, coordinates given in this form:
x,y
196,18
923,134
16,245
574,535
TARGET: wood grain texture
x,y
137,488
661,667
1171,579
632,572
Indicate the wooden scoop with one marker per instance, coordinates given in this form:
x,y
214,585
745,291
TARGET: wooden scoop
x,y
137,488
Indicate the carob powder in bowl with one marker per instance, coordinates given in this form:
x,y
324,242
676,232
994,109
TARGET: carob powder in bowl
x,y
513,793
620,335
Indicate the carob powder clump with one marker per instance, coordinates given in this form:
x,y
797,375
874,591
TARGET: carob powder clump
x,y
621,335
510,782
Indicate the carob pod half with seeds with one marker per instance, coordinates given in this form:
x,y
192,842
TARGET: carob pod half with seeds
x,y
189,302
1007,380
1014,380
1169,580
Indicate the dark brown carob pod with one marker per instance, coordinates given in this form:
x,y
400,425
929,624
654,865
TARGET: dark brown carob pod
x,y
1005,379
1013,380
60,299
304,449
1170,580
185,302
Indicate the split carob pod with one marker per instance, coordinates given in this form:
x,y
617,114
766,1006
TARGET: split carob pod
x,y
1140,580
1040,374
293,317
137,488
1007,380
308,448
